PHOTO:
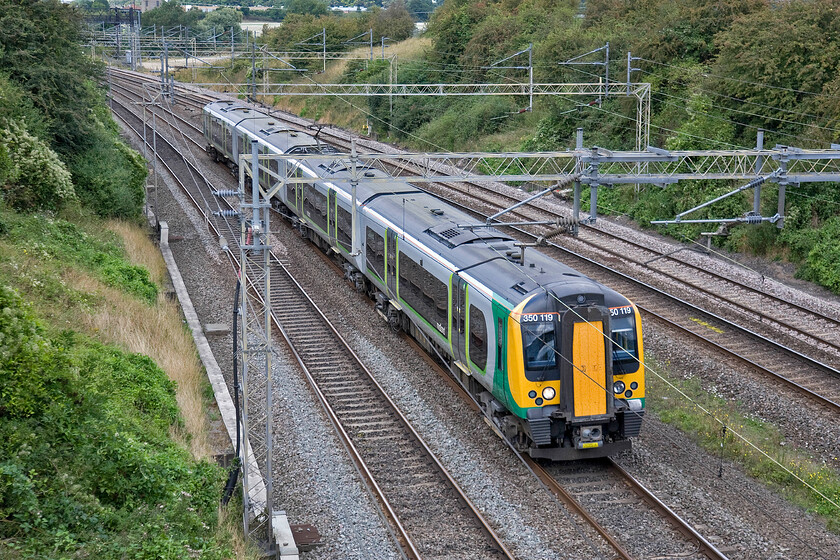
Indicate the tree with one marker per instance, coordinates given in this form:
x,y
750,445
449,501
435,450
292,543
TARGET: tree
x,y
394,22
795,46
40,50
307,7
170,14
421,10
222,20
38,179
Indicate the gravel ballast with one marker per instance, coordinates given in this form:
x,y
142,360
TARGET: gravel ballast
x,y
317,484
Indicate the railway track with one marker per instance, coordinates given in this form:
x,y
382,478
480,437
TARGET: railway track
x,y
603,486
434,517
768,351
594,489
364,419
431,514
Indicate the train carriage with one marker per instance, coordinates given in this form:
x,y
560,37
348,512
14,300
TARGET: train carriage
x,y
554,358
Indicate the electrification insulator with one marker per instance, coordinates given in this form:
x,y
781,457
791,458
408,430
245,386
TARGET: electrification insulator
x,y
227,213
226,193
754,219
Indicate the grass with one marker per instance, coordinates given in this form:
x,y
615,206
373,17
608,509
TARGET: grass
x,y
706,430
64,269
96,289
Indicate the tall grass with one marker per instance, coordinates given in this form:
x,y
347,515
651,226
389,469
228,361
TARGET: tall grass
x,y
156,331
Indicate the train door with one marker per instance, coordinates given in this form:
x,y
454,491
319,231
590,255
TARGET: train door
x,y
331,213
586,376
459,318
391,263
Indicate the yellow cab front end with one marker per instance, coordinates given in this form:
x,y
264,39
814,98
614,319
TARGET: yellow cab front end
x,y
575,373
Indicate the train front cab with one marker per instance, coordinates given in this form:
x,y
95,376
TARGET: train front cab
x,y
571,385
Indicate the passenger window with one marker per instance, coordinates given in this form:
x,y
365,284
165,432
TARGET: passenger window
x,y
478,338
625,349
375,252
344,226
424,293
539,345
315,206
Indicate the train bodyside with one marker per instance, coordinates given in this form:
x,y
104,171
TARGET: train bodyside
x,y
554,358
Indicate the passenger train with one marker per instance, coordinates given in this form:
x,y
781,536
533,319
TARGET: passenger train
x,y
554,358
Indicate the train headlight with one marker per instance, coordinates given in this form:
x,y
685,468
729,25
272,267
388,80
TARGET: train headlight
x,y
618,387
548,393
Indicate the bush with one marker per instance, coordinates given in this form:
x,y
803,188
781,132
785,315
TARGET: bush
x,y
35,177
109,177
61,241
464,120
23,350
822,264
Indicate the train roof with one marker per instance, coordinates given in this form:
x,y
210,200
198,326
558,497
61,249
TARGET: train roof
x,y
268,129
486,254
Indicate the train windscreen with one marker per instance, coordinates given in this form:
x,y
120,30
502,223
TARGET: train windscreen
x,y
625,348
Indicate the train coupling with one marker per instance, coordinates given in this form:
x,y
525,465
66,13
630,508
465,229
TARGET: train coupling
x,y
588,437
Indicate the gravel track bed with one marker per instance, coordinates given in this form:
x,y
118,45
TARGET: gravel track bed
x,y
314,477
315,480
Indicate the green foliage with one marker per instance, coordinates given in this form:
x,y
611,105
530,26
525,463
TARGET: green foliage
x,y
220,20
307,7
421,10
49,87
109,177
40,50
300,28
451,28
719,71
16,105
822,263
463,120
775,463
794,47
23,349
86,464
64,242
393,22
170,14
35,177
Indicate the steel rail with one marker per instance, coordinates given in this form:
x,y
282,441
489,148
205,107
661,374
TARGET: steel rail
x,y
707,548
812,362
167,110
192,199
776,300
404,540
364,470
566,497
820,399
553,485
817,340
358,362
